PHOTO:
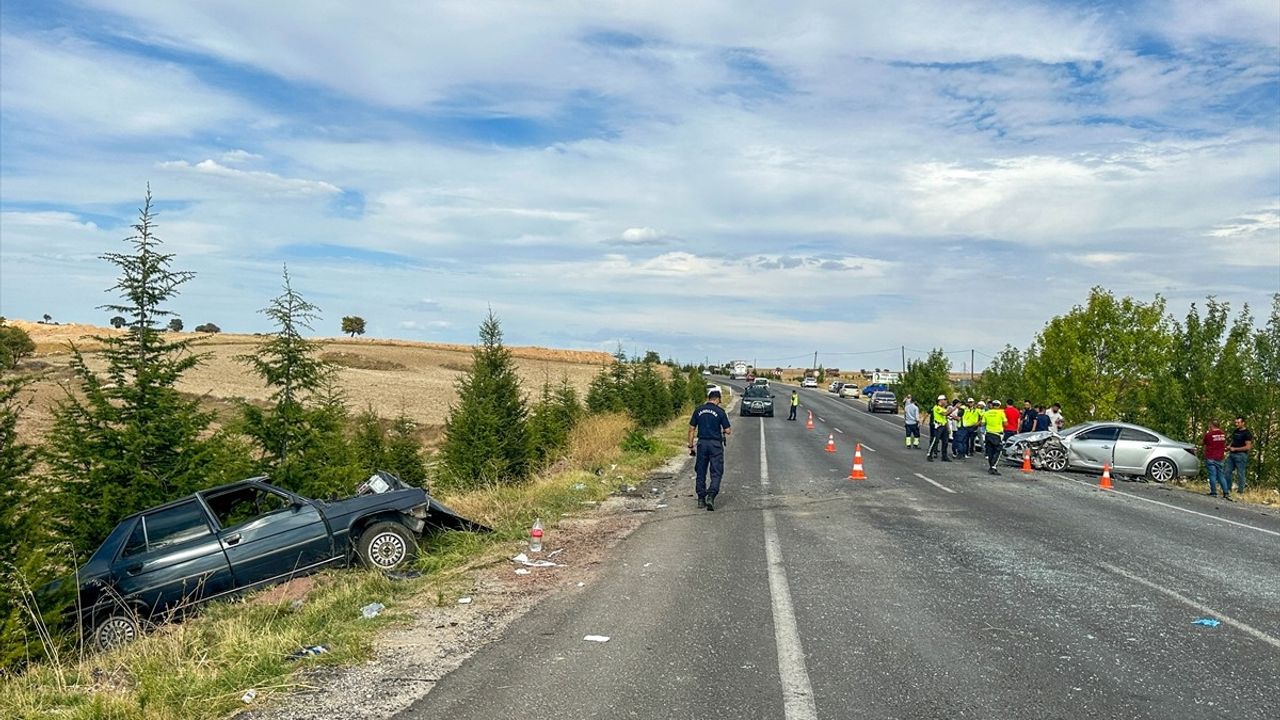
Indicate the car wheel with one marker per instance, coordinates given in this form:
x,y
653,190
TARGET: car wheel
x,y
386,545
1161,470
117,629
1055,459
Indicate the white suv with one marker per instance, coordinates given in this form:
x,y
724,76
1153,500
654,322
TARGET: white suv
x,y
809,382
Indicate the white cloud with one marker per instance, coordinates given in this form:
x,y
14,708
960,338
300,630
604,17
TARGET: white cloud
x,y
255,180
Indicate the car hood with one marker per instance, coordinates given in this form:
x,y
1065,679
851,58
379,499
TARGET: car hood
x,y
1031,437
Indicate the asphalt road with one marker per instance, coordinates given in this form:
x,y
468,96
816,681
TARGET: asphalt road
x,y
929,590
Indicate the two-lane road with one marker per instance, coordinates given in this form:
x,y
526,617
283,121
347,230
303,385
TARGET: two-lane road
x,y
926,591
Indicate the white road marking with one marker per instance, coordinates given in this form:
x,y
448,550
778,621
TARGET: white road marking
x,y
1172,507
868,447
839,431
1193,604
936,484
821,419
797,692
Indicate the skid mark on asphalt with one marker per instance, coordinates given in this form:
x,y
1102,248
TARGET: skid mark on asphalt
x,y
1256,633
1171,507
797,692
936,484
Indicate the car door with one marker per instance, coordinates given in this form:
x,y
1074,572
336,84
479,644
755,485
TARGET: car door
x,y
1133,449
1094,447
171,558
268,534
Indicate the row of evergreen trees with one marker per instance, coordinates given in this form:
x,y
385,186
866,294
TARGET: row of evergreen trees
x,y
125,438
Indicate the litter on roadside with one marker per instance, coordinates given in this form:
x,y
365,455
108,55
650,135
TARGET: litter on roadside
x,y
596,638
372,610
405,575
1207,622
295,606
582,584
464,601
523,571
661,505
524,560
579,486
307,652
248,696
555,552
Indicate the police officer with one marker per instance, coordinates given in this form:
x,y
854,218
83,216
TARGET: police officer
x,y
795,404
994,420
711,424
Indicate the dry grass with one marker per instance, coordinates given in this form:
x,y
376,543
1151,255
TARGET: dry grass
x,y
593,444
392,377
1254,495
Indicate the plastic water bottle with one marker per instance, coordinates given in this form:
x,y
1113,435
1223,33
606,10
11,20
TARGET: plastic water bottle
x,y
535,536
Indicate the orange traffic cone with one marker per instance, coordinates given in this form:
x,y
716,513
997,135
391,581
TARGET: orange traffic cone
x,y
808,425
856,473
1026,460
831,443
1105,481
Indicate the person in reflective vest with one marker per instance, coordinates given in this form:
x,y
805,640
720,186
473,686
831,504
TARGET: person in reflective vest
x,y
938,427
995,419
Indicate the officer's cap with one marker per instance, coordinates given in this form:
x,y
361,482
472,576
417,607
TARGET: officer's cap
x,y
713,392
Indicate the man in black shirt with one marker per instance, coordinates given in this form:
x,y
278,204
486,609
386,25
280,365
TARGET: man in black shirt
x,y
711,425
1238,454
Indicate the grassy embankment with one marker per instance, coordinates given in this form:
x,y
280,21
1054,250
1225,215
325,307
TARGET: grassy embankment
x,y
200,668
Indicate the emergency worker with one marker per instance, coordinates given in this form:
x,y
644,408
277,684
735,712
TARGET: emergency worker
x,y
969,421
795,404
994,419
710,423
938,426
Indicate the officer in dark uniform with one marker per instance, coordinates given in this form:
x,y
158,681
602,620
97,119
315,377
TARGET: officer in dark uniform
x,y
711,425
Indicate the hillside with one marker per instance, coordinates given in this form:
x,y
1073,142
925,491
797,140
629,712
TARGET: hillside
x,y
389,376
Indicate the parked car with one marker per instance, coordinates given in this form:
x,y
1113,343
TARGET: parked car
x,y
756,400
1129,450
158,563
835,386
874,388
809,382
849,391
882,401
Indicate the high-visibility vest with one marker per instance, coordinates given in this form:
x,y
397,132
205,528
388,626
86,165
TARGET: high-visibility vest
x,y
971,417
994,419
939,415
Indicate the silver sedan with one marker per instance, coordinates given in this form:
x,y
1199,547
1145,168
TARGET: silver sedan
x,y
1129,450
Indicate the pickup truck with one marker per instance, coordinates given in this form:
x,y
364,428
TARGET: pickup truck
x,y
160,562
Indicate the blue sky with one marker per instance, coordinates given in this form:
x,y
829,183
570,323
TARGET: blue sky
x,y
737,179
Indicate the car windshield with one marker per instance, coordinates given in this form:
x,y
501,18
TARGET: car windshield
x,y
757,391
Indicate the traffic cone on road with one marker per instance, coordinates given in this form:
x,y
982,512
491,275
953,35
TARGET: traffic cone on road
x,y
856,473
1026,460
1104,482
808,425
831,443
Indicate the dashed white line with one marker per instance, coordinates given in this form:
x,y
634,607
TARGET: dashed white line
x,y
867,447
1193,604
820,418
1172,507
839,431
936,484
797,692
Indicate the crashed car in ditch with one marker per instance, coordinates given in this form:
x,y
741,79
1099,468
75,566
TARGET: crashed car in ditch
x,y
160,562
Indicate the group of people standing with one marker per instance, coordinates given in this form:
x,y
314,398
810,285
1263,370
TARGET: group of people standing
x,y
1235,456
964,426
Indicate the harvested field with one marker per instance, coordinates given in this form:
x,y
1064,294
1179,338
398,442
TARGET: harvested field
x,y
389,376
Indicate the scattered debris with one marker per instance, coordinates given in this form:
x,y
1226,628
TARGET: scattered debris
x,y
579,486
464,601
402,575
248,696
523,571
295,606
661,505
648,564
307,652
555,552
596,638
372,610
524,560
582,584
1207,622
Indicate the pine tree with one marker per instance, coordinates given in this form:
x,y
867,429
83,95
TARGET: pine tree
x,y
486,433
648,399
128,439
301,438
403,456
605,392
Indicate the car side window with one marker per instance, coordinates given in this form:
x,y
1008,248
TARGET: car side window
x,y
1138,435
174,525
137,541
242,504
1099,433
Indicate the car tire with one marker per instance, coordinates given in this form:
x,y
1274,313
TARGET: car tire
x,y
1161,470
386,545
1055,459
116,629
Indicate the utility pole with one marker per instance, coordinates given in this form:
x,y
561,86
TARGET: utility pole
x,y
815,363
970,367
904,358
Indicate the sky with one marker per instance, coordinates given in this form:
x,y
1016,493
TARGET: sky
x,y
721,180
